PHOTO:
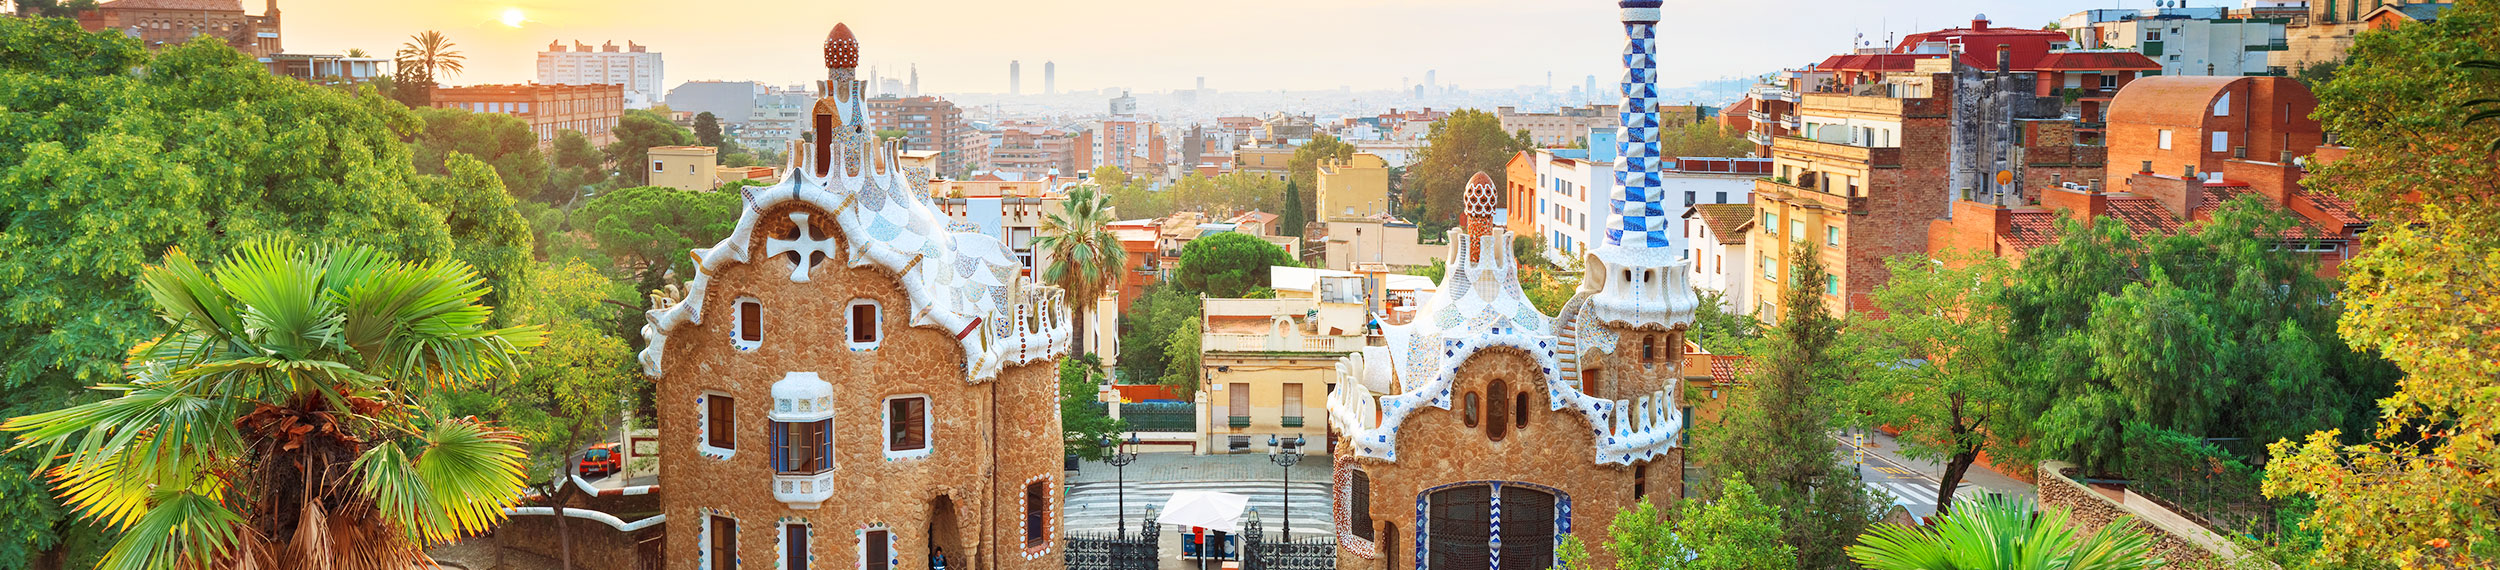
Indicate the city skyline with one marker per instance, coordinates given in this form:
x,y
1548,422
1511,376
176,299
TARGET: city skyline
x,y
1446,39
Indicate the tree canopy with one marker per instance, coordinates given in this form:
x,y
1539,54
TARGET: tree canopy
x,y
1466,142
636,133
647,230
502,141
1228,265
2424,291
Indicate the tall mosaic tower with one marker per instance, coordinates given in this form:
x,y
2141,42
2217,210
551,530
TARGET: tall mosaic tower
x,y
1640,217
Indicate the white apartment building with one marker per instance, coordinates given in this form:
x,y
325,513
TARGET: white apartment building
x,y
1572,186
1719,252
2197,41
633,66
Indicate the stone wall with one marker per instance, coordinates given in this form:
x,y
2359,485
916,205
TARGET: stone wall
x,y
595,544
2180,544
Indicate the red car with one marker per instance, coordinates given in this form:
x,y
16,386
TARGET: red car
x,y
600,460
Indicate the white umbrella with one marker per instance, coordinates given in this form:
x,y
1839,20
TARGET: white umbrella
x,y
1207,509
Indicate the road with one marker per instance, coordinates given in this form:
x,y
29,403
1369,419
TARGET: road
x,y
1914,482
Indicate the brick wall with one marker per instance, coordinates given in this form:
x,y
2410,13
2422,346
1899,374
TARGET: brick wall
x,y
595,544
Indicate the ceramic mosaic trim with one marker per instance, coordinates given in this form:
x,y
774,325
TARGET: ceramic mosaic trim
x,y
781,542
703,536
893,545
1342,509
1050,518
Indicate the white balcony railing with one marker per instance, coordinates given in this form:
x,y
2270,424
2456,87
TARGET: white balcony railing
x,y
803,492
1273,343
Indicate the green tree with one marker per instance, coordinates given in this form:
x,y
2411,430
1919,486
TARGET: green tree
x,y
1148,325
1296,215
649,229
1085,258
421,64
1720,330
573,390
1228,265
2005,533
2246,346
1131,196
1182,365
636,133
53,8
1736,532
1777,435
2421,292
576,167
206,151
503,141
1530,251
1459,146
1081,412
313,367
707,130
1704,138
1937,366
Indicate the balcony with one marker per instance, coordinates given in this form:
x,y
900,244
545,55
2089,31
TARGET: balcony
x,y
1757,138
2091,126
803,491
1758,116
2274,45
1238,422
1290,421
1272,343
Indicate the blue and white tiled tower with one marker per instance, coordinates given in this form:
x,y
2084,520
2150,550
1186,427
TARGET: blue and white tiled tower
x,y
1640,218
1640,275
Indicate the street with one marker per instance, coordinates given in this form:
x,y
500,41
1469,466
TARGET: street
x,y
1913,483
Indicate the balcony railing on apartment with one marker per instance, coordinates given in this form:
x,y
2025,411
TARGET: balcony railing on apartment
x,y
1238,422
1290,421
1273,343
2273,45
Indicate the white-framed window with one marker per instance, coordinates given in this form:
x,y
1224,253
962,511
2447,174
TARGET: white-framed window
x,y
2109,81
876,549
656,166
720,542
749,324
1037,509
2222,105
1797,230
1831,236
719,437
2222,141
795,539
2165,139
866,324
907,426
802,448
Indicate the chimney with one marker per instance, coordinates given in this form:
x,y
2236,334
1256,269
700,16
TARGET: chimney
x,y
2005,55
2095,185
2148,167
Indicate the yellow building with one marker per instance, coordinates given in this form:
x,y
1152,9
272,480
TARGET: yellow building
x,y
1357,186
1270,363
691,168
1264,162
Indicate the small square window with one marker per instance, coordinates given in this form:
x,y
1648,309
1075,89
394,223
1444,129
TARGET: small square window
x,y
1831,285
750,324
657,166
906,426
865,328
720,422
1831,236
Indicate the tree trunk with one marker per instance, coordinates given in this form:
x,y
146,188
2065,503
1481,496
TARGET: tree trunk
x,y
1079,340
1966,444
564,492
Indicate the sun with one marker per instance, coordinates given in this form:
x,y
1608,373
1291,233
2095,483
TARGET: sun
x,y
513,17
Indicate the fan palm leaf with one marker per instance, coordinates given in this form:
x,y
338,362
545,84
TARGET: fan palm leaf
x,y
2004,534
1085,256
290,383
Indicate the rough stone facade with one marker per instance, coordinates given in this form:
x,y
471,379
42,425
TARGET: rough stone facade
x,y
2092,510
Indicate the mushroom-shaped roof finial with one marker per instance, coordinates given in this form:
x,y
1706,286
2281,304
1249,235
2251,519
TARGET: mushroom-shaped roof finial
x,y
841,49
1479,199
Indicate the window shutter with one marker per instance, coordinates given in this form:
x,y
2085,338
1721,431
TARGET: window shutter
x,y
781,447
824,445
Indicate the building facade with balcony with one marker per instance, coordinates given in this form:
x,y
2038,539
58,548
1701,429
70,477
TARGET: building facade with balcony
x,y
633,65
2185,41
848,385
1268,364
1562,128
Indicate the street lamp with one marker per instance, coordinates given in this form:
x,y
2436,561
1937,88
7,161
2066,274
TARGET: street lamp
x,y
1286,459
1119,460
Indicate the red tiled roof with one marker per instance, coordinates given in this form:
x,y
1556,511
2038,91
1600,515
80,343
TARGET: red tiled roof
x,y
2031,229
2334,206
1727,369
202,5
2142,215
2305,229
1729,221
2166,100
1883,62
2091,60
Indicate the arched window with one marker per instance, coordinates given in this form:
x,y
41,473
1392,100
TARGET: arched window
x,y
1497,411
1359,502
1649,348
1467,409
1519,410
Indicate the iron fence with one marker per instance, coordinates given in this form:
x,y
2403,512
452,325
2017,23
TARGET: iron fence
x,y
2201,480
1113,551
1161,416
1262,552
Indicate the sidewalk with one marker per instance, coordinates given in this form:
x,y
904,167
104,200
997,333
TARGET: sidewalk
x,y
1882,449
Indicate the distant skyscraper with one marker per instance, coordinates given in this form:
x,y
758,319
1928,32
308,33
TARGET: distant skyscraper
x,y
1431,81
1050,78
915,81
1015,78
1202,83
1591,90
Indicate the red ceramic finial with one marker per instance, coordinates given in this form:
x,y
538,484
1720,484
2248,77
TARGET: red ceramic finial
x,y
841,48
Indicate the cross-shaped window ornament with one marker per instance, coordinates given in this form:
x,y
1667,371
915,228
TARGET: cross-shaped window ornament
x,y
809,247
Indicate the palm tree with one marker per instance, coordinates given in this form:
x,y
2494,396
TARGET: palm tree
x,y
356,52
280,421
428,54
2004,534
1084,256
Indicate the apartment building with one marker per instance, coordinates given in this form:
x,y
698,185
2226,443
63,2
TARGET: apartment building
x,y
550,109
935,124
634,66
2185,41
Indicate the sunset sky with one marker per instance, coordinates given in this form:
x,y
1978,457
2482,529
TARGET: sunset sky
x,y
1149,45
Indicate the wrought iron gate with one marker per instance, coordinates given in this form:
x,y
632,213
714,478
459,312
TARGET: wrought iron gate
x,y
1109,551
1261,552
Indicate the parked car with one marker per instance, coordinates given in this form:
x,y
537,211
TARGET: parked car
x,y
601,460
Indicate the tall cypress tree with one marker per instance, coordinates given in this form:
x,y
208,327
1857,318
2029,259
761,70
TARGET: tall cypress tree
x,y
1777,434
1295,215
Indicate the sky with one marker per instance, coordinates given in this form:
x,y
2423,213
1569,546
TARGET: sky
x,y
964,46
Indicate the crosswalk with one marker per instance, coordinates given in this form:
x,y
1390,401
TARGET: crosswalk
x,y
1095,506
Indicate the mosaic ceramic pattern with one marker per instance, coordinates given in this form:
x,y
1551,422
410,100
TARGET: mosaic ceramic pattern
x,y
703,536
1050,520
893,548
941,271
782,541
1341,508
